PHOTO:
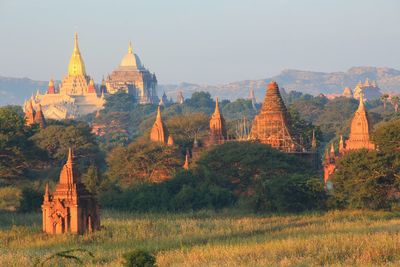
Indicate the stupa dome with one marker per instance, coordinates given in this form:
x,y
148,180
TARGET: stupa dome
x,y
130,59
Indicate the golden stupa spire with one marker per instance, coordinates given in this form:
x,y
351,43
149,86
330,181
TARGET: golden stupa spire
x,y
130,48
76,66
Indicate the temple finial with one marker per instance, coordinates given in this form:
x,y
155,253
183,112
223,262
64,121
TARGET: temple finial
x,y
159,113
361,105
70,156
76,48
130,48
313,141
186,165
216,105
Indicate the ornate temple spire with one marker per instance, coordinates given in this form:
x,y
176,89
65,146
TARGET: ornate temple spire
x,y
359,129
51,89
341,145
39,117
313,142
68,173
252,97
332,151
159,132
29,113
46,193
91,87
186,164
361,105
218,132
130,48
76,66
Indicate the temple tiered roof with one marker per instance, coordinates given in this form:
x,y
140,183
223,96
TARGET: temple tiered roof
x,y
271,126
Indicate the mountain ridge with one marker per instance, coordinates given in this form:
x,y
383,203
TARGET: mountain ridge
x,y
16,90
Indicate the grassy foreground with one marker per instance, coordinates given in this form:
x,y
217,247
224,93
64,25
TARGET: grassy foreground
x,y
346,238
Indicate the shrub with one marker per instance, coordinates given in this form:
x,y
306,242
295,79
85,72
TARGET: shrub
x,y
139,258
30,200
10,198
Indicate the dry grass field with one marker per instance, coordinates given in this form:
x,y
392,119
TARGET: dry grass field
x,y
339,238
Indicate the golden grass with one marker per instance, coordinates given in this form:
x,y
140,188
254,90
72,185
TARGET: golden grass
x,y
356,238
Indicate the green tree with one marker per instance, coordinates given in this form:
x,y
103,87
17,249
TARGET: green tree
x,y
92,179
17,153
365,179
57,139
335,117
238,109
395,102
237,165
185,127
201,101
384,99
142,161
387,136
119,102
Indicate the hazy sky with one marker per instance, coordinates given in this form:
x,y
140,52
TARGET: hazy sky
x,y
203,41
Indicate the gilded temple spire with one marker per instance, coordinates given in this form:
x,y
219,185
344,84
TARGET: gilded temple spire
x,y
130,48
76,66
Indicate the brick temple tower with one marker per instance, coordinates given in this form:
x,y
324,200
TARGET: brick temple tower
x,y
29,113
271,125
39,117
159,132
359,130
358,139
218,133
70,208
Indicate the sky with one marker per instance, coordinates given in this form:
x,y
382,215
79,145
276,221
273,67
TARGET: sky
x,y
203,41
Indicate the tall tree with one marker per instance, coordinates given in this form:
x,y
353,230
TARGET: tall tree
x,y
17,152
141,162
384,98
395,102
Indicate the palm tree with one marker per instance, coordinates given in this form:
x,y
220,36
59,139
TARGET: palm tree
x,y
384,99
395,102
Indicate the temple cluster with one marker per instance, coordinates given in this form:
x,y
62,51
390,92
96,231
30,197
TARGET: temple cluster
x,y
77,94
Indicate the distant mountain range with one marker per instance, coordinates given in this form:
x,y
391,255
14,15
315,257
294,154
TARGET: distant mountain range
x,y
16,90
303,81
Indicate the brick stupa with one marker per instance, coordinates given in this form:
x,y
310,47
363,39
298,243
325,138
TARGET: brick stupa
x,y
70,208
271,125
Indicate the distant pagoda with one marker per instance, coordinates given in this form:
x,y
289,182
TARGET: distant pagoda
x,y
218,133
33,116
271,125
133,78
370,91
70,208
